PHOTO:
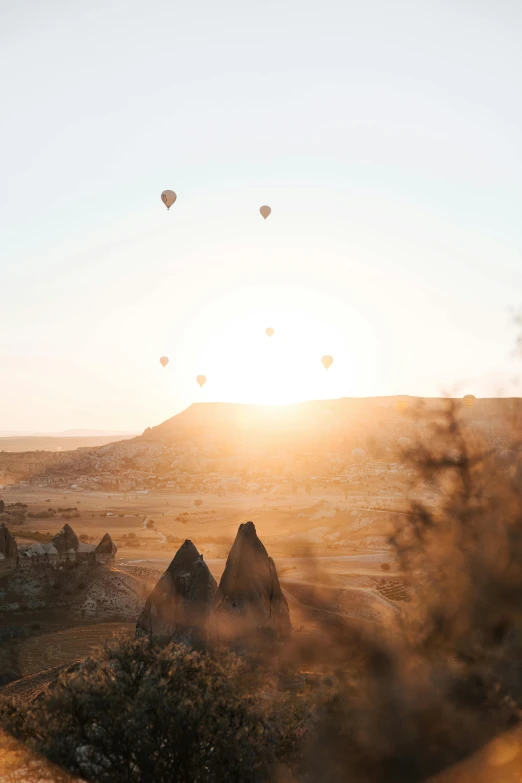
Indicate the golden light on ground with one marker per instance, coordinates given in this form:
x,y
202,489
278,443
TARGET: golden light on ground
x,y
503,750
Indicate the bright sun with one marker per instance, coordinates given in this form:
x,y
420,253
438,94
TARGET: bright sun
x,y
243,364
226,342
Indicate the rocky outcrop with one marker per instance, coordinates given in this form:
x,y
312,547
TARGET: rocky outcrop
x,y
180,606
8,545
66,540
106,546
250,598
249,606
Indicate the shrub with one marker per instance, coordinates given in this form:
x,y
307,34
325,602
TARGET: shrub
x,y
35,535
385,567
143,713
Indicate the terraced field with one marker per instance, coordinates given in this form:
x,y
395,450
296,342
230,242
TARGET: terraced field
x,y
28,688
393,589
40,653
355,603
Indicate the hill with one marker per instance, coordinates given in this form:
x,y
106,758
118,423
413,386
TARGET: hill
x,y
305,421
248,442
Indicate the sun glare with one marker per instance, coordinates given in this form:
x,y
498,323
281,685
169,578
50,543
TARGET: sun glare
x,y
244,364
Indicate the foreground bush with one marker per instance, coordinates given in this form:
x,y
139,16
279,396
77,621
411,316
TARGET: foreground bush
x,y
146,714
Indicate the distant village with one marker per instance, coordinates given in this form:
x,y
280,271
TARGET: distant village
x,y
332,455
140,468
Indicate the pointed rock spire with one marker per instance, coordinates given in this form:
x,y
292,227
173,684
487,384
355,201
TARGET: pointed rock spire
x,y
250,596
180,605
66,540
106,546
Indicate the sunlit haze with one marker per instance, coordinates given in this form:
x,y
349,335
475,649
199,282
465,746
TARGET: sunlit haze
x,y
384,136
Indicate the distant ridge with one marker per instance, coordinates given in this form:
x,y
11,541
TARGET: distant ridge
x,y
220,430
23,443
66,434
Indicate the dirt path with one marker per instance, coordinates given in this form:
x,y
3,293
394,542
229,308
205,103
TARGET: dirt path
x,y
162,536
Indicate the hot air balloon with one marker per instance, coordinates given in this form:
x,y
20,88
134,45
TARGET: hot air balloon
x,y
201,379
327,361
469,400
265,211
358,453
164,361
168,197
403,442
269,331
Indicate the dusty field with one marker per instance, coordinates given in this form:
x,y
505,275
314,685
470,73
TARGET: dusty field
x,y
288,526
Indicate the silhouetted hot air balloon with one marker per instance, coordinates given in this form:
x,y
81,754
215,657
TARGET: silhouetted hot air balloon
x,y
201,379
327,361
265,211
164,361
403,442
168,197
469,400
269,331
358,453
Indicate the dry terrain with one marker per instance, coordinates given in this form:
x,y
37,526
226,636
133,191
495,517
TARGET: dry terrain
x,y
328,552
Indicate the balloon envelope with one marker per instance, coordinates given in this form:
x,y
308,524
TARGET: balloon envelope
x,y
469,400
403,442
164,361
508,456
327,361
269,331
201,379
265,211
168,197
358,453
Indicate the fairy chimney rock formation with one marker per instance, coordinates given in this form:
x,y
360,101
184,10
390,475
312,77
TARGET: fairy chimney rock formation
x,y
180,606
66,540
8,545
106,546
250,598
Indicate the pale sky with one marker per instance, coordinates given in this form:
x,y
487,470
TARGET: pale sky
x,y
386,137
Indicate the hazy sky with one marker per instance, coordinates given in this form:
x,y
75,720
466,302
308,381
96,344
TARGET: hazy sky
x,y
386,137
